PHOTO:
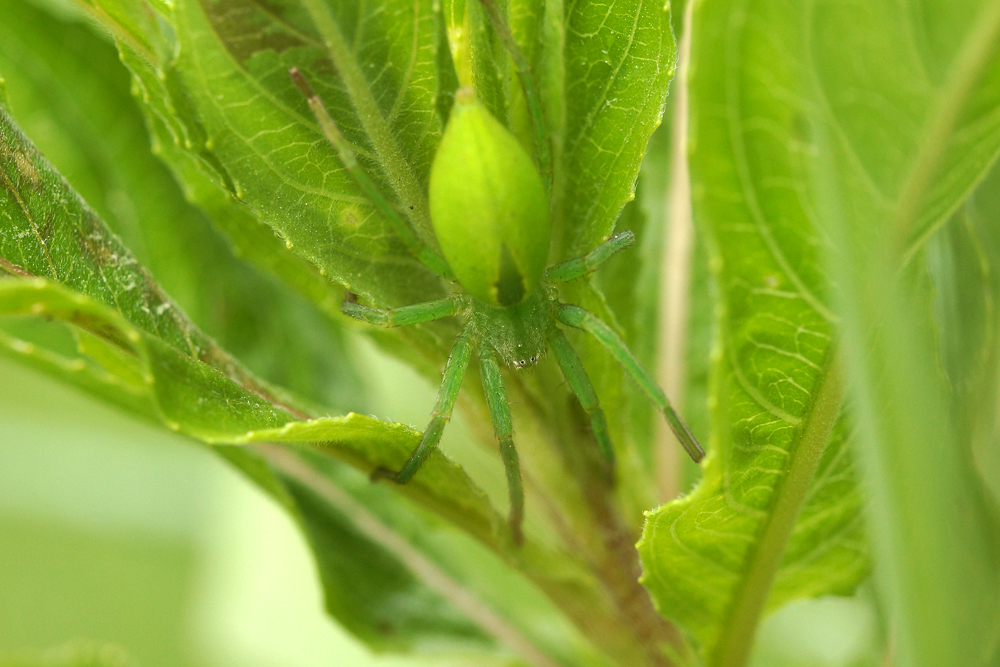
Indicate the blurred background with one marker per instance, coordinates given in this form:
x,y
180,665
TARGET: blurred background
x,y
115,532
112,530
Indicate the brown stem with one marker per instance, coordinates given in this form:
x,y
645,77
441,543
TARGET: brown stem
x,y
619,570
614,559
14,269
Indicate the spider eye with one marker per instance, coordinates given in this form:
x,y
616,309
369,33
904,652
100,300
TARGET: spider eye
x,y
488,206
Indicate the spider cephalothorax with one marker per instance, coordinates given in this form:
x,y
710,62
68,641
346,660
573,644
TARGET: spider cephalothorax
x,y
489,210
517,334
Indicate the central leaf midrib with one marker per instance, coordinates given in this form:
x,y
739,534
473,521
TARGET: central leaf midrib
x,y
733,646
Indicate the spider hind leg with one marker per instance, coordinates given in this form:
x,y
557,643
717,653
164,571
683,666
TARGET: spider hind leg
x,y
579,382
496,399
579,318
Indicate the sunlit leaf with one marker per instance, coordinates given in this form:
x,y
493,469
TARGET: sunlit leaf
x,y
289,175
616,63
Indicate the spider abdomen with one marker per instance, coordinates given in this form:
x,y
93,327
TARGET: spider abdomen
x,y
488,206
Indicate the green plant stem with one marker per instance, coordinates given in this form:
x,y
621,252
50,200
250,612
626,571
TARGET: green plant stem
x,y
397,168
632,631
737,635
531,98
620,571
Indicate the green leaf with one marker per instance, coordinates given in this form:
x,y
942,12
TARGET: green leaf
x,y
760,99
243,117
259,165
922,431
368,443
133,23
604,86
394,610
930,555
69,91
479,570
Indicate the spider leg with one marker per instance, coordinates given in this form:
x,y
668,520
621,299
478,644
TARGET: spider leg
x,y
575,316
454,371
576,376
582,266
417,247
496,399
401,317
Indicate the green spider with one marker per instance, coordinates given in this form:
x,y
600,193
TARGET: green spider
x,y
511,311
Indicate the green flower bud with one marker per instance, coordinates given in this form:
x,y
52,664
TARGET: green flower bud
x,y
488,206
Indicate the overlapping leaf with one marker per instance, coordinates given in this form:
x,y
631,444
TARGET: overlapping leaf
x,y
964,265
223,112
78,305
763,75
49,236
616,63
214,399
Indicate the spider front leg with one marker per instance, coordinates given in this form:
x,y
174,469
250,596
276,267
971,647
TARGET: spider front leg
x,y
579,318
584,266
576,376
496,399
401,317
454,371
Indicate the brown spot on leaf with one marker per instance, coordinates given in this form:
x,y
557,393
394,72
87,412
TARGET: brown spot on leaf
x,y
27,174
